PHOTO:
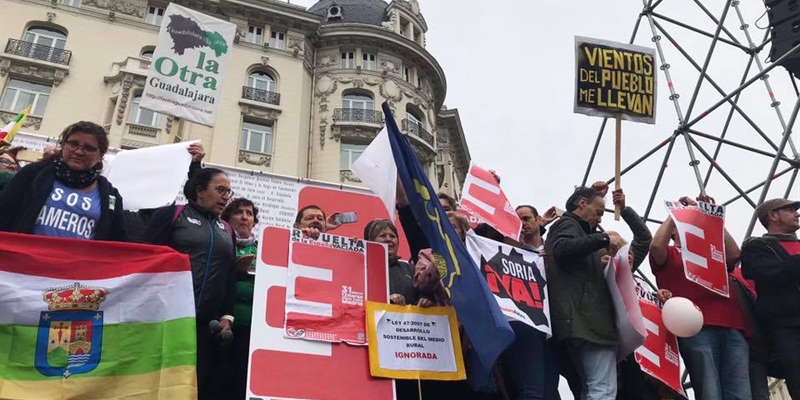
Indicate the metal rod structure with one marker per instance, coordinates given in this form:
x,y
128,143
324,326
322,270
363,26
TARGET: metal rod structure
x,y
716,21
756,187
749,82
665,67
790,186
727,122
718,88
660,175
739,145
720,170
786,134
642,158
594,151
710,53
693,29
775,103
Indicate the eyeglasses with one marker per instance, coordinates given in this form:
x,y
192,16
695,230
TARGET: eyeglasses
x,y
224,191
9,163
74,145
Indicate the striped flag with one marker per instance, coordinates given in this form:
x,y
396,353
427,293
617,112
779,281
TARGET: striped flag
x,y
88,319
9,131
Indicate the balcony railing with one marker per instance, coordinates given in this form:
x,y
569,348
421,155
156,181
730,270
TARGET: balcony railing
x,y
261,95
417,130
38,51
358,115
143,130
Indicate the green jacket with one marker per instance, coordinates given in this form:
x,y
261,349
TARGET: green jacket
x,y
245,286
580,302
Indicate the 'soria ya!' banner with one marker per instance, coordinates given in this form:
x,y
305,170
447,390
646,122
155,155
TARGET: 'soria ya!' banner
x,y
284,368
702,233
658,356
517,278
613,79
189,64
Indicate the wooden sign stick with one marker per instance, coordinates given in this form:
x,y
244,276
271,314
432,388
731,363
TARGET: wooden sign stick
x,y
617,184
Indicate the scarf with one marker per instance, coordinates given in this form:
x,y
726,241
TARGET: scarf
x,y
244,242
75,179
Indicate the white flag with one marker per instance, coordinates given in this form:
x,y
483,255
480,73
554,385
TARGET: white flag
x,y
376,168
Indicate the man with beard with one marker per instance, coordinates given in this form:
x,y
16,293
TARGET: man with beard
x,y
773,262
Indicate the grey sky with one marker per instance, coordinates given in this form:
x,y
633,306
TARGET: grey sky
x,y
510,72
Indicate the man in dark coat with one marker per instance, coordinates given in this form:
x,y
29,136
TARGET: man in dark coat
x,y
580,305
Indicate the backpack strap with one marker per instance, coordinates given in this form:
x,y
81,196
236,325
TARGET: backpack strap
x,y
228,228
178,210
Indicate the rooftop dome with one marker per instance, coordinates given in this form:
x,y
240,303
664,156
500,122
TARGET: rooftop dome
x,y
370,12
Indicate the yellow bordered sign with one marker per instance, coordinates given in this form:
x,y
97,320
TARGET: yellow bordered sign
x,y
407,342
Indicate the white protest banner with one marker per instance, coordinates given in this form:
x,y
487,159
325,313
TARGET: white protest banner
x,y
702,232
407,342
281,368
326,288
658,356
189,63
516,277
626,307
132,172
482,201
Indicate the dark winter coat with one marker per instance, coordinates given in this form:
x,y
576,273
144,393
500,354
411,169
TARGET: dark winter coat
x,y
23,198
580,302
777,278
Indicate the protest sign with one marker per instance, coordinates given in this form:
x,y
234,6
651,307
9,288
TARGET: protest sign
x,y
189,63
407,342
483,201
702,233
615,79
628,315
658,356
281,367
516,277
326,288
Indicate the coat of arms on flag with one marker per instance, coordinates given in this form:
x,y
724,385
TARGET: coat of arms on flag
x,y
70,335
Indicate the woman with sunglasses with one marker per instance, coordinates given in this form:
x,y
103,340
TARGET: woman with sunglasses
x,y
197,230
64,194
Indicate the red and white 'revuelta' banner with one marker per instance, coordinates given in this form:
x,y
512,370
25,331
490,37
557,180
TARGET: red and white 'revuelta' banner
x,y
483,201
280,367
702,232
658,356
326,289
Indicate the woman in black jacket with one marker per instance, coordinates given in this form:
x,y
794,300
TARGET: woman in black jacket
x,y
64,195
197,230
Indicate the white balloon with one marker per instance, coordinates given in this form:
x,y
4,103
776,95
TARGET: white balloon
x,y
682,317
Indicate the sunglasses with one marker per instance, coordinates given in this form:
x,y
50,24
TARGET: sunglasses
x,y
74,145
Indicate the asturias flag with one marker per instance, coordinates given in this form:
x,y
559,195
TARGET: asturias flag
x,y
476,308
9,131
84,319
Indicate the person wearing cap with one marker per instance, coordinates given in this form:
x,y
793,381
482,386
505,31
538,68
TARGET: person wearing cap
x,y
773,262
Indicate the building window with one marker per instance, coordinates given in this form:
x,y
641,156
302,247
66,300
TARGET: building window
x,y
414,118
348,60
277,40
358,101
407,74
143,116
154,15
256,138
368,62
254,35
147,53
349,154
21,94
71,3
48,44
262,81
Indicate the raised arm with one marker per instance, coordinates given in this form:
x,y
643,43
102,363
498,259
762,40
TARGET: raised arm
x,y
660,243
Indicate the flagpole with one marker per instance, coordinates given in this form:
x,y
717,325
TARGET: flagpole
x,y
617,184
419,387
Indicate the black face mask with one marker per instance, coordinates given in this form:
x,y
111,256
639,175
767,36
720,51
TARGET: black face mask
x,y
76,179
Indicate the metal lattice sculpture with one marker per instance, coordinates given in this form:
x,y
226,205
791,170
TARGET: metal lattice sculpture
x,y
784,154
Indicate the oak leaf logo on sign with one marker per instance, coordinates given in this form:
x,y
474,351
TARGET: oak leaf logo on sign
x,y
70,334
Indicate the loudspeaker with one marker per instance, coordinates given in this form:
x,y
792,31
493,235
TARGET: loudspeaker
x,y
784,20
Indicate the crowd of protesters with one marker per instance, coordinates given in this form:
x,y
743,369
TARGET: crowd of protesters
x,y
753,334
